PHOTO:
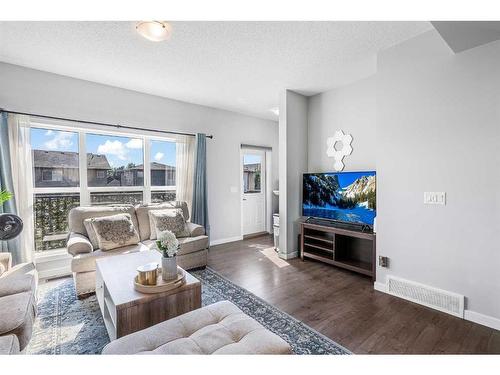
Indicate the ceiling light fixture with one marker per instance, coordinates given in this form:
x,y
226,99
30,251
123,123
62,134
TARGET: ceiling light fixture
x,y
155,31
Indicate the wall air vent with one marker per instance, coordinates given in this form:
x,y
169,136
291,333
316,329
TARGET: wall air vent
x,y
434,298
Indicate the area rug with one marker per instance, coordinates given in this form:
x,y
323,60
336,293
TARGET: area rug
x,y
67,325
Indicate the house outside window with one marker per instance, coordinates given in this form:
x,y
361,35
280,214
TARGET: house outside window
x,y
78,166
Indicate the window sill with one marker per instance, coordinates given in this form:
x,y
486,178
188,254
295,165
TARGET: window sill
x,y
51,255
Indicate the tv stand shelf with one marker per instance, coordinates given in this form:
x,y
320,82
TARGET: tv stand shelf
x,y
349,249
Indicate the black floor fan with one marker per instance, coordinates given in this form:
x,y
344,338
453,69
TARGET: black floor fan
x,y
10,226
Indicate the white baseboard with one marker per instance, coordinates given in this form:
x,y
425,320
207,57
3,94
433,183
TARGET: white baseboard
x,y
472,316
482,319
226,240
381,287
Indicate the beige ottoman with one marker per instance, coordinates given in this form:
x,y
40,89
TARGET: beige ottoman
x,y
9,345
221,328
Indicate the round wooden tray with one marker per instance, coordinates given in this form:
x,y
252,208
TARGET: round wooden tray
x,y
161,285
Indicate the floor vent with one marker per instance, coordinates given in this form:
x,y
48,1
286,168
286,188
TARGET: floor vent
x,y
438,299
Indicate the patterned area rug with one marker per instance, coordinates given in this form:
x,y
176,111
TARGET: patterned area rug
x,y
67,325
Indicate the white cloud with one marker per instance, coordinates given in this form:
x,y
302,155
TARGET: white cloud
x,y
159,156
115,148
61,141
134,143
49,132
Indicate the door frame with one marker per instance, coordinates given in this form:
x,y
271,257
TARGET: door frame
x,y
268,185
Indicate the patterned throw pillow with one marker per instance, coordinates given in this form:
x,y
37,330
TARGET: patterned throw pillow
x,y
115,231
172,220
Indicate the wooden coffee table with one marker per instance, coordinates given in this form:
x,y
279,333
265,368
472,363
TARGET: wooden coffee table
x,y
124,309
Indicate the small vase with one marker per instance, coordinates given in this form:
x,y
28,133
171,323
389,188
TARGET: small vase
x,y
168,268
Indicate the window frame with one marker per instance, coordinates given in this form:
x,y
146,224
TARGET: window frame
x,y
83,189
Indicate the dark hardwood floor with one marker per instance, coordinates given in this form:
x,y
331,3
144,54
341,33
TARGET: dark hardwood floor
x,y
344,306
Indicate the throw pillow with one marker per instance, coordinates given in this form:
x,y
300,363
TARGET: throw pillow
x,y
172,220
2,269
115,231
91,233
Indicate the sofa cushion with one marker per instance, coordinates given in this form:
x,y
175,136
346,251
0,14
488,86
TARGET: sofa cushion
x,y
171,219
20,278
2,269
115,231
77,215
86,262
18,313
143,216
187,244
220,328
9,345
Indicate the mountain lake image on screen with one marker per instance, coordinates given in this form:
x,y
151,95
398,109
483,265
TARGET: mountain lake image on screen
x,y
342,196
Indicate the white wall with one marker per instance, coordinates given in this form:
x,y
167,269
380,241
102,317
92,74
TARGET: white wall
x,y
429,120
293,163
438,129
353,109
45,93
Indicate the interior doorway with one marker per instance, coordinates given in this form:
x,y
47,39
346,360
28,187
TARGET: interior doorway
x,y
253,191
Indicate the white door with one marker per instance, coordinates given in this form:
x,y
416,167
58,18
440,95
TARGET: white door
x,y
253,196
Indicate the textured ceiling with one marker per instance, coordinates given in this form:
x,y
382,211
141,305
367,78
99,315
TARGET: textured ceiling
x,y
239,66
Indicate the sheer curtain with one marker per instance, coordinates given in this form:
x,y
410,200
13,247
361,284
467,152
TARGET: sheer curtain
x,y
22,181
185,170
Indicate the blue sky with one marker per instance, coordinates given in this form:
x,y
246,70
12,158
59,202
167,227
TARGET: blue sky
x,y
347,178
119,151
251,159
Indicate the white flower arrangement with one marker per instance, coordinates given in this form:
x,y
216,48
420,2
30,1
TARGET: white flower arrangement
x,y
168,244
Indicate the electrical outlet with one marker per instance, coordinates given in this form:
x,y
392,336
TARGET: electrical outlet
x,y
433,197
383,261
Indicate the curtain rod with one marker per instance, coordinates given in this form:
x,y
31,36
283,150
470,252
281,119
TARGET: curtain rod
x,y
117,126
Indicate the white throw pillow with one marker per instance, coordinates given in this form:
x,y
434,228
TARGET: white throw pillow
x,y
170,219
115,231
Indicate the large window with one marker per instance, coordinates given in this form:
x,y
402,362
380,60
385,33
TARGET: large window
x,y
114,161
162,162
88,167
55,158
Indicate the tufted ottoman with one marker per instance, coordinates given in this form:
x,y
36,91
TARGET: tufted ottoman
x,y
221,328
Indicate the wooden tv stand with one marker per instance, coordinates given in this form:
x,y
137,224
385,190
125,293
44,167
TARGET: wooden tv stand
x,y
349,249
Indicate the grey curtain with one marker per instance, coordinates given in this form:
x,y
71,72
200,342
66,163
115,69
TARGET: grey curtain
x,y
6,183
199,213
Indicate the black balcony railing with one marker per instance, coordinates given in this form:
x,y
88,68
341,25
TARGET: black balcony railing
x,y
51,219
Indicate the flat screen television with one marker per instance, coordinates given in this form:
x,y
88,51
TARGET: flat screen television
x,y
341,196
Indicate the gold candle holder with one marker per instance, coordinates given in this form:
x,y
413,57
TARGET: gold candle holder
x,y
148,274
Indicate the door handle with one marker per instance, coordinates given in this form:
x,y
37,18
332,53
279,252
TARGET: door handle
x,y
244,199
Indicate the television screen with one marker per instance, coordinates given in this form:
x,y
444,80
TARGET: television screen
x,y
342,196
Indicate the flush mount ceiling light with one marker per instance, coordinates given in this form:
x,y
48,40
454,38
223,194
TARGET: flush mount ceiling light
x,y
155,31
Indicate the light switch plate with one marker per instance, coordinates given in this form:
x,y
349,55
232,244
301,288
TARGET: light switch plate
x,y
435,197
